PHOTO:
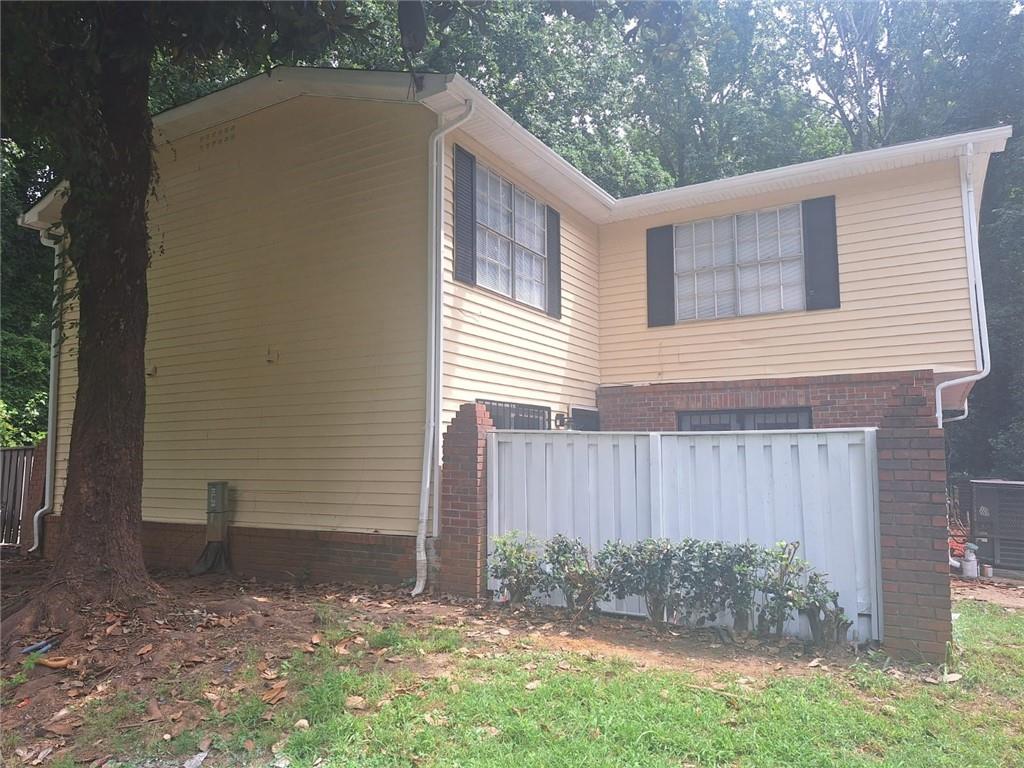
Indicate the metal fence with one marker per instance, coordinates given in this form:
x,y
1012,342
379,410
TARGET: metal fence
x,y
15,474
818,487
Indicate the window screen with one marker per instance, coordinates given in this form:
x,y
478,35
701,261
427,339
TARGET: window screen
x,y
511,240
517,415
748,264
733,421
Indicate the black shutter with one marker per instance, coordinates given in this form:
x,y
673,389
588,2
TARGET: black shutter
x,y
661,293
821,253
554,264
464,268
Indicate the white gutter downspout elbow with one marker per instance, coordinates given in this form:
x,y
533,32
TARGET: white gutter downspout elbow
x,y
975,287
51,405
435,233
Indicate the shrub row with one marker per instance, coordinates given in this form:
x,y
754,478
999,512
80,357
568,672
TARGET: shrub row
x,y
689,581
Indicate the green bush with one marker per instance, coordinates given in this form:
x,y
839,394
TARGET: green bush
x,y
689,581
517,564
648,568
572,570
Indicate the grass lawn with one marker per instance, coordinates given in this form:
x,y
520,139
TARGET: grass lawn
x,y
434,697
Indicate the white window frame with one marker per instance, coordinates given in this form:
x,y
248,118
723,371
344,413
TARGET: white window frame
x,y
778,261
514,243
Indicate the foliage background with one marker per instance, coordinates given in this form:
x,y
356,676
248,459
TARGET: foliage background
x,y
645,96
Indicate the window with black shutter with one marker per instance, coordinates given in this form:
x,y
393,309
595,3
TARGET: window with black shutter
x,y
777,259
505,239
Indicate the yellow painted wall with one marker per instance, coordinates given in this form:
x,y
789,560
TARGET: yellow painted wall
x,y
498,349
300,229
903,287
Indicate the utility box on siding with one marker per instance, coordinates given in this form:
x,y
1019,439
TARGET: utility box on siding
x,y
997,522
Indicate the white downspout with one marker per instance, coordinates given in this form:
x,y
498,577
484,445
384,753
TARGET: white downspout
x,y
435,234
977,292
51,405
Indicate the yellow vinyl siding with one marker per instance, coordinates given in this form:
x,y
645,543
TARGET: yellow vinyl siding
x,y
498,349
301,238
903,286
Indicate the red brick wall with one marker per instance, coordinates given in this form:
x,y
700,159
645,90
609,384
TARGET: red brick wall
x,y
463,522
851,400
278,555
911,473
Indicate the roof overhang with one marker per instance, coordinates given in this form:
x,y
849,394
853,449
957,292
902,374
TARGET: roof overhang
x,y
493,128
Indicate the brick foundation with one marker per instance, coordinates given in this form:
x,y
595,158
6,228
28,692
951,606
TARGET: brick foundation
x,y
463,522
277,555
911,473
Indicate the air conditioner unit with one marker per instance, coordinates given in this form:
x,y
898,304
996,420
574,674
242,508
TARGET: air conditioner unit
x,y
997,522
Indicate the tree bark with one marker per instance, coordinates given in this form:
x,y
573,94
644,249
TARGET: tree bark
x,y
99,551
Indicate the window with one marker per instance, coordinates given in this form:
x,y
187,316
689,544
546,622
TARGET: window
x,y
511,240
747,264
733,421
517,415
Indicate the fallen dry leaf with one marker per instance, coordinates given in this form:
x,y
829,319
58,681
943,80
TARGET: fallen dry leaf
x,y
147,648
533,685
249,745
355,702
56,662
815,663
341,650
951,677
315,639
269,674
301,724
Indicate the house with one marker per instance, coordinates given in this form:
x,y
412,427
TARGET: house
x,y
342,261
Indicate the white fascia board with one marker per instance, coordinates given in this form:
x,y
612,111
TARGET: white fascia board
x,y
496,130
46,212
283,83
985,141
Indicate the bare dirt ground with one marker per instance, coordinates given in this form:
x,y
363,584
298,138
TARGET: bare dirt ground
x,y
1005,592
205,629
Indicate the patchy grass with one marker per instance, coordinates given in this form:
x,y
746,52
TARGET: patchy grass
x,y
432,695
991,643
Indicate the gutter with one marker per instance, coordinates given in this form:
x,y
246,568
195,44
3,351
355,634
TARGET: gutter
x,y
431,431
56,243
975,287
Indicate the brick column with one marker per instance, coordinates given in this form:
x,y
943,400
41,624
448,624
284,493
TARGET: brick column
x,y
463,535
912,509
36,495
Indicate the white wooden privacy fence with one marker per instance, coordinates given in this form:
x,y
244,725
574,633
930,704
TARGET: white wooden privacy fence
x,y
818,487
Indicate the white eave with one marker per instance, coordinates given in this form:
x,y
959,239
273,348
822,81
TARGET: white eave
x,y
498,132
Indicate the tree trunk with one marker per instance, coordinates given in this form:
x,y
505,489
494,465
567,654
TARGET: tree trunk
x,y
99,550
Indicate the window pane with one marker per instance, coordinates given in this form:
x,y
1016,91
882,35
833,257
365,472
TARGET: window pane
x,y
793,284
725,246
725,292
768,235
686,306
791,236
703,235
493,261
746,231
684,247
529,278
531,223
750,293
705,295
771,288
